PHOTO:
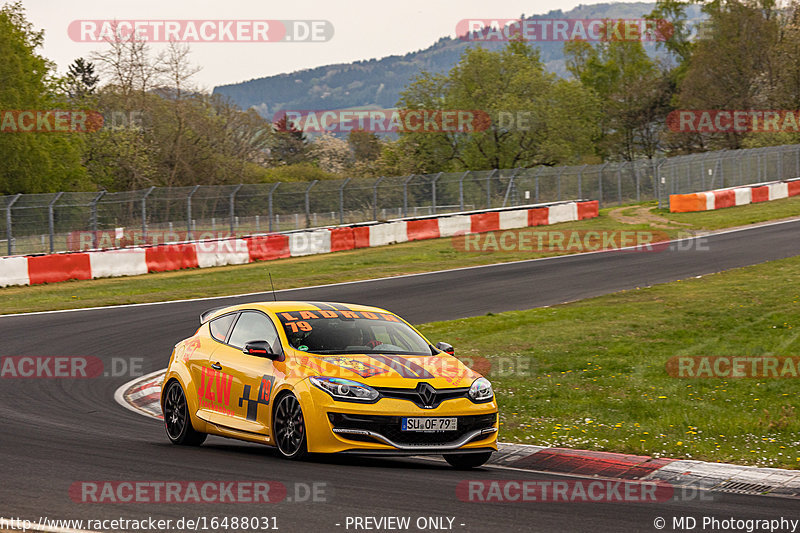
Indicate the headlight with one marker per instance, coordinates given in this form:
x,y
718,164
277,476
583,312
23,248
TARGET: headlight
x,y
481,390
344,389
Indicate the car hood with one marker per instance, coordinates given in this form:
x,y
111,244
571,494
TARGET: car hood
x,y
389,370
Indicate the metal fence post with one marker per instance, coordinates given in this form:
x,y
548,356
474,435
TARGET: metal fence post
x,y
51,220
232,200
433,191
797,161
269,204
375,198
638,183
657,175
461,189
405,194
657,188
619,182
558,182
308,202
489,188
341,200
9,234
600,184
580,181
536,184
93,217
510,185
189,213
144,212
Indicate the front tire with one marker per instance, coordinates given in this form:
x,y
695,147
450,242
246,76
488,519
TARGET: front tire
x,y
289,428
177,421
466,461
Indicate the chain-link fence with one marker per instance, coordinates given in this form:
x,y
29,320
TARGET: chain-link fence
x,y
41,223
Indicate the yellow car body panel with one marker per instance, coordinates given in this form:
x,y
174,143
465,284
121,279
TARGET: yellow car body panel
x,y
232,394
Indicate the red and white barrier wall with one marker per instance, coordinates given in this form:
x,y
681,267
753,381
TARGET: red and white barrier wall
x,y
53,268
719,198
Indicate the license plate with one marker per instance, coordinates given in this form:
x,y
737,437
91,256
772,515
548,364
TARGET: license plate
x,y
430,424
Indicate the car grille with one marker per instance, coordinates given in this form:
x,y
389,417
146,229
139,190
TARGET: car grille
x,y
389,427
424,395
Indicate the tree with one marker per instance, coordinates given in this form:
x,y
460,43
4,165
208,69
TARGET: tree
x,y
635,94
365,145
81,80
332,154
533,119
676,36
178,72
33,162
784,90
731,67
288,144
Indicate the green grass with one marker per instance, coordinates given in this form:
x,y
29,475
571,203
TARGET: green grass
x,y
595,377
406,258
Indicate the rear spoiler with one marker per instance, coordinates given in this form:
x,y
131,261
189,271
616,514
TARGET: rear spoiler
x,y
205,314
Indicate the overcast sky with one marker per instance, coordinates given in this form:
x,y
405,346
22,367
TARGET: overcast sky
x,y
363,29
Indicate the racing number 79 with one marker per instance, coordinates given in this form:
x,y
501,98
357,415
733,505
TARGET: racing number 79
x,y
299,326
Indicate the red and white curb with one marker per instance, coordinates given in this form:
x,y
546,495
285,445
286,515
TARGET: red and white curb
x,y
143,395
132,261
733,196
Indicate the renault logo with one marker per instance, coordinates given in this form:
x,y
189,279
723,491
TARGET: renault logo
x,y
427,394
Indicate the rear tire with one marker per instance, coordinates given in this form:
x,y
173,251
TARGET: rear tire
x,y
466,461
289,428
177,421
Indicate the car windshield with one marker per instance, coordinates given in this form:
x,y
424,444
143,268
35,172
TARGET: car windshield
x,y
351,332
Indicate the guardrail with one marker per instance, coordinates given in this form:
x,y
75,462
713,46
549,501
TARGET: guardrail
x,y
54,268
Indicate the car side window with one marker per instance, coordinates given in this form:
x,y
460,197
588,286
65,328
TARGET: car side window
x,y
220,326
253,326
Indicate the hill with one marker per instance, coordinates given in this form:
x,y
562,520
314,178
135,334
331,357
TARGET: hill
x,y
378,82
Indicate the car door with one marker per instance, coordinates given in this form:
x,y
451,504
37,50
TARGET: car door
x,y
214,387
252,377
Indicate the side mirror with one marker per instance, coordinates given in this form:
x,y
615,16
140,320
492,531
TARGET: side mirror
x,y
446,348
260,349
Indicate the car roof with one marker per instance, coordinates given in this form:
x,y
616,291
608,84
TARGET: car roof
x,y
289,305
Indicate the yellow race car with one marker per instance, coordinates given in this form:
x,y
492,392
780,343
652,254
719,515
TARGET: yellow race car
x,y
314,377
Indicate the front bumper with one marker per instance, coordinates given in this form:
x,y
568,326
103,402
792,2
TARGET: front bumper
x,y
350,427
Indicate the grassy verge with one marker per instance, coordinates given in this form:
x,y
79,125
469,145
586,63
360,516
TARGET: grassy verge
x,y
594,374
406,258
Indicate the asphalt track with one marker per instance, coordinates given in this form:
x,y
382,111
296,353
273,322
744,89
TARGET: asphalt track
x,y
56,432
